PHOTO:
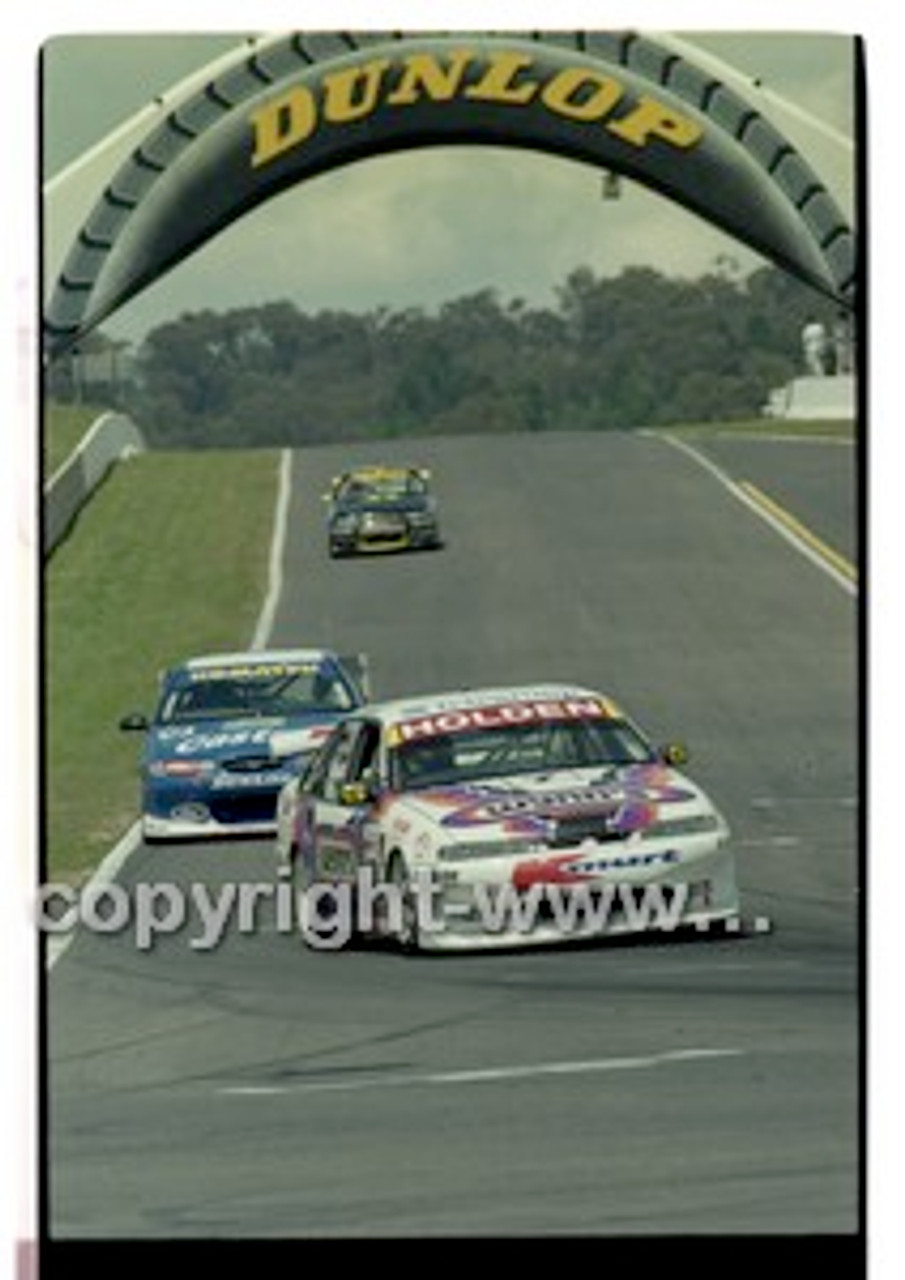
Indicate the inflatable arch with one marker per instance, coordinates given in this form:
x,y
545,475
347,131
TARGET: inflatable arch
x,y
301,104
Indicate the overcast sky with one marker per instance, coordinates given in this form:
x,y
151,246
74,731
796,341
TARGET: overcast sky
x,y
419,228
125,71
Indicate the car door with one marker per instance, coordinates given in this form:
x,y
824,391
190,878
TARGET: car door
x,y
365,782
331,846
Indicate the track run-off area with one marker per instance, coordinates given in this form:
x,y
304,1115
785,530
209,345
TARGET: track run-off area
x,y
666,1087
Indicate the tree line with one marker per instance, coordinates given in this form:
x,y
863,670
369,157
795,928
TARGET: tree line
x,y
611,353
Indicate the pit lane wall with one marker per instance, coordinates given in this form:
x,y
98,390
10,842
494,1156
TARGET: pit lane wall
x,y
111,437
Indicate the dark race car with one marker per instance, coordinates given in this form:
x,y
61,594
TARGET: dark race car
x,y
378,509
230,729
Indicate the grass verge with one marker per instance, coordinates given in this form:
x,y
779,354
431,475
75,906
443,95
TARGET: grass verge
x,y
63,427
168,558
838,428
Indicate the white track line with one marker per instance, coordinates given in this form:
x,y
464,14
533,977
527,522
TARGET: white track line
x,y
104,874
763,513
482,1075
277,544
115,860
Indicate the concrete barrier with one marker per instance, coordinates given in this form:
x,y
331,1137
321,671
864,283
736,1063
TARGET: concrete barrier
x,y
830,397
111,437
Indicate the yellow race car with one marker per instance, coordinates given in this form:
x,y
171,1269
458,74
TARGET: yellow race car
x,y
377,509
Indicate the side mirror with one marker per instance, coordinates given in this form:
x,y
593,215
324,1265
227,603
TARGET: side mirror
x,y
674,753
355,793
134,723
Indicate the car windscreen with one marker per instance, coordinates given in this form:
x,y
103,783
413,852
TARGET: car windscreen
x,y
391,490
476,754
230,693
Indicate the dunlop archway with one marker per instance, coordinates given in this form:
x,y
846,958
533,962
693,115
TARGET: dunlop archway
x,y
302,104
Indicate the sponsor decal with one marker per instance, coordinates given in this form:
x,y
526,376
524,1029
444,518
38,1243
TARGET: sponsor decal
x,y
624,807
232,781
186,740
218,740
513,78
501,716
574,868
251,671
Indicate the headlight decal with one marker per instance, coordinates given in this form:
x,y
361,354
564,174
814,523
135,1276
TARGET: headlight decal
x,y
692,825
183,768
475,849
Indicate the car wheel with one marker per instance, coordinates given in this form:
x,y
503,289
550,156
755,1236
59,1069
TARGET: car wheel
x,y
409,933
311,919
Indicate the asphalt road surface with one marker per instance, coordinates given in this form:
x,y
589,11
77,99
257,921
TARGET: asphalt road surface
x,y
814,478
666,1088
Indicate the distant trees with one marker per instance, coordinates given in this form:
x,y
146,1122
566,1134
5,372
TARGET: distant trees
x,y
638,349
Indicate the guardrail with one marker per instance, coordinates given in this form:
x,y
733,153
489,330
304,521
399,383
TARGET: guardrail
x,y
111,437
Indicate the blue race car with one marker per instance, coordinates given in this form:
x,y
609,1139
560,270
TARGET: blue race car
x,y
230,729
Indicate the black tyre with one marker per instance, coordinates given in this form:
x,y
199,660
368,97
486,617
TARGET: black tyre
x,y
409,935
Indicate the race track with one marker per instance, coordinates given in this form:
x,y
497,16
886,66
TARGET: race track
x,y
675,1087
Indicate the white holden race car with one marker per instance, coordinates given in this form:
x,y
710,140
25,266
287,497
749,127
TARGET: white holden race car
x,y
502,817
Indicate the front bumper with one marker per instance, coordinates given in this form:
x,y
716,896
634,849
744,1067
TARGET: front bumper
x,y
698,893
178,814
462,938
387,538
154,828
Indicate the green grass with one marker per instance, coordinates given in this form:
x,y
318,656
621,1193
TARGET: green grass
x,y
168,558
64,427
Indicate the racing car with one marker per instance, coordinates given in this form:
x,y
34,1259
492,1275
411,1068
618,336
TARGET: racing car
x,y
230,729
432,811
379,509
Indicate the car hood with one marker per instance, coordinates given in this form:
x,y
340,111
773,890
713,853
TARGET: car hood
x,y
269,737
562,805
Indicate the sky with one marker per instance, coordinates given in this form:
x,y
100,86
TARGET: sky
x,y
421,228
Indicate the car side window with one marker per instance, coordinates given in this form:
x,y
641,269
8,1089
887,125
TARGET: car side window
x,y
339,762
364,765
323,765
